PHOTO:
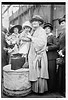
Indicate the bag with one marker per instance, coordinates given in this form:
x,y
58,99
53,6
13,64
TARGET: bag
x,y
17,61
60,61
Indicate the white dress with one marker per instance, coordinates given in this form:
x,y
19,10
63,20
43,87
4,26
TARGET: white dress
x,y
12,40
24,43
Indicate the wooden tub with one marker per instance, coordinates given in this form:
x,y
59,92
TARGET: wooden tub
x,y
15,82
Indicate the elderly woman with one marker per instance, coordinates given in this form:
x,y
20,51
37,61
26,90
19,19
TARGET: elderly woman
x,y
52,55
38,64
13,40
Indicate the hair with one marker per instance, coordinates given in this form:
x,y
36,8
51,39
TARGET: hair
x,y
62,21
17,28
28,27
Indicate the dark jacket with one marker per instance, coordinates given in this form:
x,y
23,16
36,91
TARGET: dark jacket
x,y
4,55
52,47
61,40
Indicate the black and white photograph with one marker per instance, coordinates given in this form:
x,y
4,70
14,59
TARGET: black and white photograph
x,y
33,49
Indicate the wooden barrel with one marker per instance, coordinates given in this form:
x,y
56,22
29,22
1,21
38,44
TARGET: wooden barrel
x,y
15,82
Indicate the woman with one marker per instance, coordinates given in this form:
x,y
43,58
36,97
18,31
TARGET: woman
x,y
38,65
52,55
13,40
24,40
61,44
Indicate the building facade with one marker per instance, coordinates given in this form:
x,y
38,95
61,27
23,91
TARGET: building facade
x,y
49,12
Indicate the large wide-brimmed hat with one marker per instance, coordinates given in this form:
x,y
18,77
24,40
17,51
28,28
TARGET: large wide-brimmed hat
x,y
26,24
48,25
62,19
11,30
37,18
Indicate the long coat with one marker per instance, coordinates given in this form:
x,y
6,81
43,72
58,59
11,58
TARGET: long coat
x,y
52,47
37,53
52,55
4,53
61,42
61,69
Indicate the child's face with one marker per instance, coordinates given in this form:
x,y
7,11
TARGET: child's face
x,y
47,30
15,30
27,29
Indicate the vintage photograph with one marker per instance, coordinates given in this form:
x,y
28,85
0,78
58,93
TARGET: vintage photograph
x,y
33,50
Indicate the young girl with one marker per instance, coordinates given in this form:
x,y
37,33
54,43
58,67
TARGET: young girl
x,y
13,40
24,41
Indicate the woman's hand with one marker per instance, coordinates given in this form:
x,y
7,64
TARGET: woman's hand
x,y
6,49
10,50
46,49
60,53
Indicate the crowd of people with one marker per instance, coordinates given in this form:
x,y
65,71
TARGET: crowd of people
x,y
45,53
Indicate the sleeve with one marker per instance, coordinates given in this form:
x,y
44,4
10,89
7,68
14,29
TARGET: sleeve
x,y
63,50
54,45
7,39
40,41
23,37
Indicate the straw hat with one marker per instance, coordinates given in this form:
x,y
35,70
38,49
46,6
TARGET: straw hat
x,y
26,24
11,30
37,18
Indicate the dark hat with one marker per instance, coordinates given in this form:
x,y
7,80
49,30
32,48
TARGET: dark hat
x,y
48,25
62,19
15,26
37,18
